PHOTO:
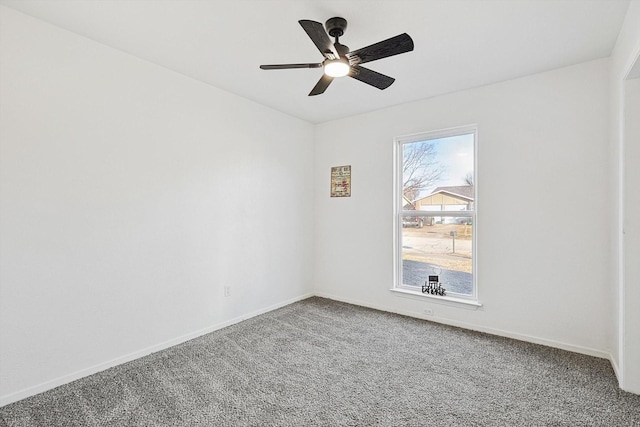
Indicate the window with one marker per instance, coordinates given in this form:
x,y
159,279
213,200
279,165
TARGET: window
x,y
436,202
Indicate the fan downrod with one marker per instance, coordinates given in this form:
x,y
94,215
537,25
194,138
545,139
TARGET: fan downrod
x,y
336,26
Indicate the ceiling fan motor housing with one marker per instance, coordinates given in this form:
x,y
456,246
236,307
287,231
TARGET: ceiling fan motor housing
x,y
336,26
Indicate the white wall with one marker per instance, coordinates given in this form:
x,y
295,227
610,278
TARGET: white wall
x,y
625,146
543,207
130,195
631,236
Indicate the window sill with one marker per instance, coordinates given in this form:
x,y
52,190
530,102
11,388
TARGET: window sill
x,y
447,300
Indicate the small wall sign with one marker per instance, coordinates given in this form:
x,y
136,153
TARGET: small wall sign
x,y
341,181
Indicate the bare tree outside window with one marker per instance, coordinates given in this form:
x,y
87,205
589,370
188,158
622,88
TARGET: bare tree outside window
x,y
420,169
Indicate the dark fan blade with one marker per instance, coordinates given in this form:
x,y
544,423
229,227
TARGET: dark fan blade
x,y
371,77
318,35
322,85
288,66
393,46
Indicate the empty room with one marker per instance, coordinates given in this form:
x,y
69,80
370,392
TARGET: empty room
x,y
323,213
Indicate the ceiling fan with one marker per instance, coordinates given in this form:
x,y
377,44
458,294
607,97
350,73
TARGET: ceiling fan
x,y
340,62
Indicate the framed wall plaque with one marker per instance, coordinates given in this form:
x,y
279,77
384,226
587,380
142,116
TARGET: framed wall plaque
x,y
341,181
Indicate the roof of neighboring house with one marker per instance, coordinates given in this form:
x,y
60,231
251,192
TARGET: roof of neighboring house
x,y
460,191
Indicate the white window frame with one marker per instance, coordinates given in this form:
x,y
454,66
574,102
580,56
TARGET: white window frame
x,y
399,213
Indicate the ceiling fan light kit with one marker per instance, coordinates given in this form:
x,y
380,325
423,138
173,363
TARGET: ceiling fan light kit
x,y
340,62
336,67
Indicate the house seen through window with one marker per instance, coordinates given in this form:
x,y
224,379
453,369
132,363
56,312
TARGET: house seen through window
x,y
436,210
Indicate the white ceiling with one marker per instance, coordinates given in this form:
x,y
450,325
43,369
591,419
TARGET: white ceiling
x,y
459,44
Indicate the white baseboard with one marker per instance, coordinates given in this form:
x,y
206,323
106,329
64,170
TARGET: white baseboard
x,y
474,327
616,370
620,377
48,385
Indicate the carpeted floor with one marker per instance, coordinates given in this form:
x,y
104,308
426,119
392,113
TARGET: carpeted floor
x,y
324,363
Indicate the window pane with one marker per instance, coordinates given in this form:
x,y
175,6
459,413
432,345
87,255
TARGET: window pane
x,y
438,245
437,174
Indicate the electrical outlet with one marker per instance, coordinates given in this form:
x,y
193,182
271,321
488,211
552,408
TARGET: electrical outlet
x,y
428,311
227,291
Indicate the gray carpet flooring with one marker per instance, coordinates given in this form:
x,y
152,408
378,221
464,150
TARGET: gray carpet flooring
x,y
324,363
